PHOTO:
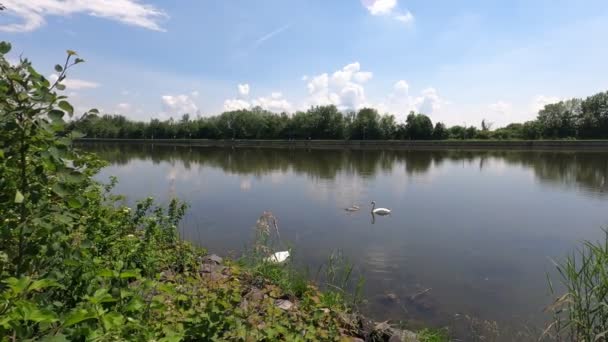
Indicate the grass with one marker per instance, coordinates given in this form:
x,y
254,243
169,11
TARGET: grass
x,y
433,335
581,313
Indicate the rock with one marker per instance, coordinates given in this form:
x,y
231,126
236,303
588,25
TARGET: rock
x,y
403,336
255,295
244,304
211,268
213,258
283,304
355,339
392,297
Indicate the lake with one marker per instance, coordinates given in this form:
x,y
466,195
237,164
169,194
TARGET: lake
x,y
469,242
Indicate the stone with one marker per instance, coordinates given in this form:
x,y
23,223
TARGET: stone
x,y
283,304
211,268
213,258
399,335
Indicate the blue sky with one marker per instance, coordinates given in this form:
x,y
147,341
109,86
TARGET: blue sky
x,y
457,61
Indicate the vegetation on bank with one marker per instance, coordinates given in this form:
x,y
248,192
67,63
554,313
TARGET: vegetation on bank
x,y
572,119
76,264
581,314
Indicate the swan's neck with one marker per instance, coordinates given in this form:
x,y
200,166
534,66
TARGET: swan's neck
x,y
373,206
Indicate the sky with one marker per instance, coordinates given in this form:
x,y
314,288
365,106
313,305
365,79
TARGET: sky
x,y
457,61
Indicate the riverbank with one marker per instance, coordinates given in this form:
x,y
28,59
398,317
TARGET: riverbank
x,y
594,145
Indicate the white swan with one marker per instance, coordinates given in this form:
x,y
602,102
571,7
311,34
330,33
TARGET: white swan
x,y
379,211
278,257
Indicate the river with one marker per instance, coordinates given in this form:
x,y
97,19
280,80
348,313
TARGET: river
x,y
469,242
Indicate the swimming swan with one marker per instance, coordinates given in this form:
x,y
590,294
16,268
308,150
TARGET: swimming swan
x,y
379,211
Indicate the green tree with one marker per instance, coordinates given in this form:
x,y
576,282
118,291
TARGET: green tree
x,y
388,127
418,126
366,125
440,132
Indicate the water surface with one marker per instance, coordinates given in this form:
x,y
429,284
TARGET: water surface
x,y
477,229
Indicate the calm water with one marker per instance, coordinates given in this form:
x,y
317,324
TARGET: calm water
x,y
476,228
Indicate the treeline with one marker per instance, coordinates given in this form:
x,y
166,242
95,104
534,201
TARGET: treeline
x,y
575,119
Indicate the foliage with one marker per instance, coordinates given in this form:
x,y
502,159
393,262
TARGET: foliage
x,y
575,118
433,335
76,264
581,314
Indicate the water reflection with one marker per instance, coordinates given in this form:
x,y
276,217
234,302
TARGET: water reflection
x,y
477,228
584,170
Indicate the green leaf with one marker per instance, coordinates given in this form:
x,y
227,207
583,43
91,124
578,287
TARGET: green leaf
x,y
66,106
94,111
75,202
60,86
41,316
60,190
77,316
78,60
58,68
43,284
18,286
112,320
130,274
71,52
19,197
5,47
57,338
56,115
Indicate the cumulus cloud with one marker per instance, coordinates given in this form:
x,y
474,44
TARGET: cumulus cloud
x,y
429,102
74,83
344,88
540,101
274,103
243,89
388,8
400,102
32,13
178,104
380,7
236,104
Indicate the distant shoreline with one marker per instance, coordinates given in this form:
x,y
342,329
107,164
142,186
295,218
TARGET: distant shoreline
x,y
595,145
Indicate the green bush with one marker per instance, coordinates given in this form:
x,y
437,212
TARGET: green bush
x,y
77,265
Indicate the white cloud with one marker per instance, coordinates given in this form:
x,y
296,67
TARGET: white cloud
x,y
274,103
540,101
380,7
236,104
178,104
195,93
74,83
388,8
343,89
406,17
33,12
401,87
124,106
501,107
304,78
243,89
429,102
399,102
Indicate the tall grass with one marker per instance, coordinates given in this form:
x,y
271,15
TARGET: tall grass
x,y
335,277
581,313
